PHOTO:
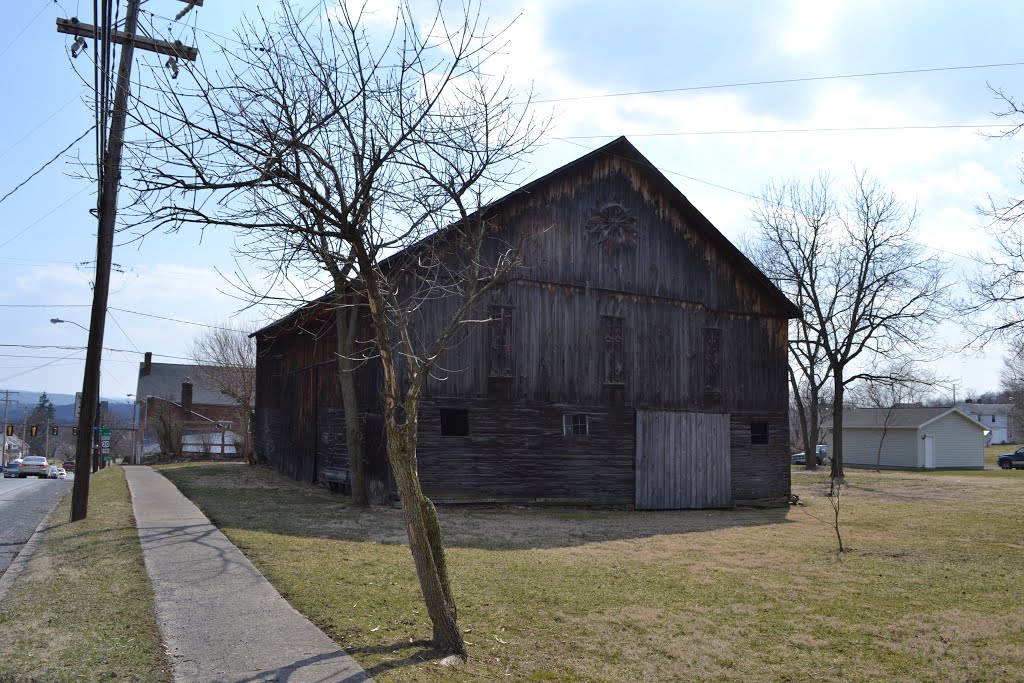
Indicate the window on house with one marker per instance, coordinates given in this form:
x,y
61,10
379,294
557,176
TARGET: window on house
x,y
575,424
614,357
759,432
500,351
454,422
993,418
712,359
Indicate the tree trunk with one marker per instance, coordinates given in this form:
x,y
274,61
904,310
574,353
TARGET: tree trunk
x,y
837,425
247,451
350,404
424,530
813,426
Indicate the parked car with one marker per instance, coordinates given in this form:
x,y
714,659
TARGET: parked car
x,y
1012,461
820,456
68,465
34,465
12,469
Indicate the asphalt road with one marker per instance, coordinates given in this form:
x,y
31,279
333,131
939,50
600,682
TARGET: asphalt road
x,y
23,504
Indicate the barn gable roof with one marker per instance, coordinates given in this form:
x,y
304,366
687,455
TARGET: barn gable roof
x,y
620,149
900,418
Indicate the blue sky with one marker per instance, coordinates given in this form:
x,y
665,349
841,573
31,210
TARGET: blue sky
x,y
565,49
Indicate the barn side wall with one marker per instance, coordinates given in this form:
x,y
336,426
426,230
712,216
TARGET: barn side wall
x,y
517,451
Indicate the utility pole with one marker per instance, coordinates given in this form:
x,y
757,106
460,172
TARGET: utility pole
x,y
7,399
111,164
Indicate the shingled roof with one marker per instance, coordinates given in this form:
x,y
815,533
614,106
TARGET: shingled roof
x,y
898,418
164,380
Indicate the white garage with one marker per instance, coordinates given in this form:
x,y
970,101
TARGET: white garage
x,y
912,438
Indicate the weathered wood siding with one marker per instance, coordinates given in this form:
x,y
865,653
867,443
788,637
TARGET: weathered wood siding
x,y
673,255
517,451
558,351
682,460
760,472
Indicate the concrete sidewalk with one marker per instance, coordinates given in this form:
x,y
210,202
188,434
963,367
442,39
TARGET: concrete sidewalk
x,y
220,620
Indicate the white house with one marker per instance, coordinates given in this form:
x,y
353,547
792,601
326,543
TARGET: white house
x,y
912,438
995,417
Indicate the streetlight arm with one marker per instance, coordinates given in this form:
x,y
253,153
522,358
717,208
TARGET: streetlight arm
x,y
72,322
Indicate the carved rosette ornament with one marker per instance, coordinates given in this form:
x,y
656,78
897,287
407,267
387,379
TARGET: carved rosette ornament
x,y
613,226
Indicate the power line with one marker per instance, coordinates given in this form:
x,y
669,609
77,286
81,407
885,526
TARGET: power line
x,y
44,121
778,81
41,168
45,305
31,21
173,320
852,129
756,198
33,369
122,310
45,215
61,347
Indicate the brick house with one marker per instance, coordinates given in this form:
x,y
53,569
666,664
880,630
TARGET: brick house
x,y
180,412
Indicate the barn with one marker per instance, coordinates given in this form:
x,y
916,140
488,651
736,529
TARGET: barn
x,y
913,438
635,357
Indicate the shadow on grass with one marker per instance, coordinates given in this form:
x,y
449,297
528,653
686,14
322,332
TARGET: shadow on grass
x,y
261,500
418,652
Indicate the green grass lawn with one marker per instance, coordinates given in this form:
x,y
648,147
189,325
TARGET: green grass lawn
x,y
83,608
929,589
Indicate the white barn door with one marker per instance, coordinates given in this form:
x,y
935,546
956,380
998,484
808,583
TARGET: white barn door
x,y
682,460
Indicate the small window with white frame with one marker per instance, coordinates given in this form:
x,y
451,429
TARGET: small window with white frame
x,y
575,424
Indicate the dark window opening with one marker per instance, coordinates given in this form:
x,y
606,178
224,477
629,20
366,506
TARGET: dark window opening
x,y
575,424
454,422
759,432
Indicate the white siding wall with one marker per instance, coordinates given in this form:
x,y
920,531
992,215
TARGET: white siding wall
x,y
958,443
899,449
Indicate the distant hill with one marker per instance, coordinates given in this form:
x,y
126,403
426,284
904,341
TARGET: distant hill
x,y
120,409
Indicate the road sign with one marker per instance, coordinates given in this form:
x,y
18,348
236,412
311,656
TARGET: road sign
x,y
106,432
78,404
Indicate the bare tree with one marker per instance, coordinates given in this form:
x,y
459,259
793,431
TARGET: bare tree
x,y
894,386
362,163
164,419
780,214
867,290
997,286
227,362
1011,380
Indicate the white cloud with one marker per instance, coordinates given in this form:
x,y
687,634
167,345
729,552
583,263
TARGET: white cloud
x,y
811,24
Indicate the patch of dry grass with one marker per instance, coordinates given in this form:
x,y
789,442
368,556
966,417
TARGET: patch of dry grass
x,y
929,590
83,608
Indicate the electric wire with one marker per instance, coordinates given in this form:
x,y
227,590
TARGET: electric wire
x,y
40,219
765,131
46,3
777,81
44,121
41,168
